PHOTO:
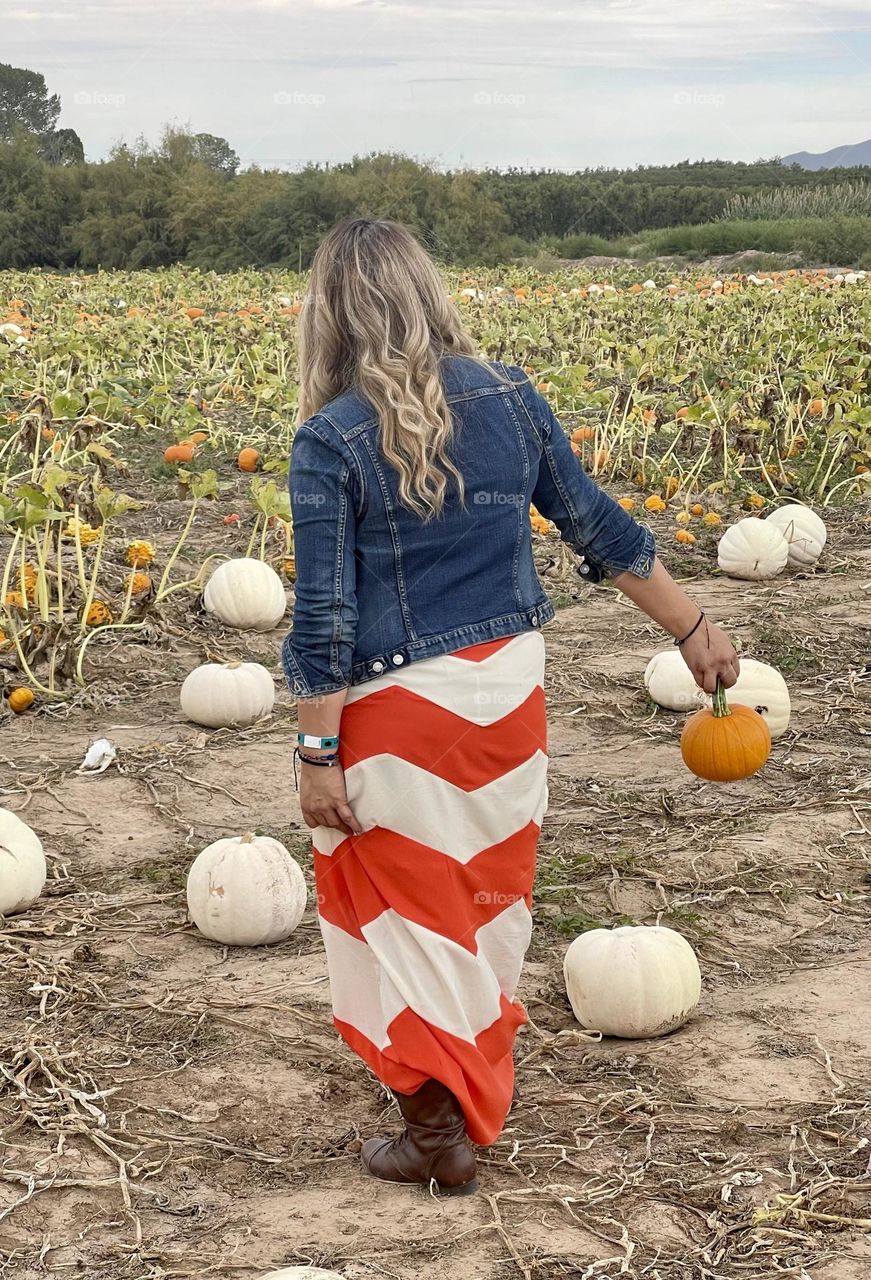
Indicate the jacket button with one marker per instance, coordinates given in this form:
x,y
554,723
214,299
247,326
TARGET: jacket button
x,y
534,619
585,568
377,666
398,659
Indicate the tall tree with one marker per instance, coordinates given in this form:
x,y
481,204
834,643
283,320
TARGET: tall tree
x,y
215,153
25,102
62,146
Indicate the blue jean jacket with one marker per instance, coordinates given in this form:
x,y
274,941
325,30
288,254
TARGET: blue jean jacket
x,y
377,587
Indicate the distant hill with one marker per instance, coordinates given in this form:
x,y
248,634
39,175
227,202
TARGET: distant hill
x,y
838,158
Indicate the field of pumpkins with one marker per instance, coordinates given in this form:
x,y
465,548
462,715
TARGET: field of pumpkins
x,y
692,1084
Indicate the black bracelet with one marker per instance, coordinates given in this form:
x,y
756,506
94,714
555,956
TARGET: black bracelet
x,y
691,633
325,762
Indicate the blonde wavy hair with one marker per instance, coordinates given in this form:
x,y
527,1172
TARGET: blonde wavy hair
x,y
376,317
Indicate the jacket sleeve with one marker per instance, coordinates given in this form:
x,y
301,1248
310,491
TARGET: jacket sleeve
x,y
317,654
605,535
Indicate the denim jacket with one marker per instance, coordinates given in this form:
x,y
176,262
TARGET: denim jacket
x,y
377,587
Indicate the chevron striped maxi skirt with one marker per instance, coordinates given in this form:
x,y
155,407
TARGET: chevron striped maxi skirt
x,y
426,915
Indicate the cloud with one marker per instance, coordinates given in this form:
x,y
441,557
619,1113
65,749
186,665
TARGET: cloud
x,y
39,15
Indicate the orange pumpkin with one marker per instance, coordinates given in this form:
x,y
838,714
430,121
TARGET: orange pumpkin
x,y
684,536
199,437
816,407
20,700
137,583
725,743
179,452
583,433
672,484
194,313
99,614
248,460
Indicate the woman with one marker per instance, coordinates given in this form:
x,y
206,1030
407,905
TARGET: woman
x,y
417,658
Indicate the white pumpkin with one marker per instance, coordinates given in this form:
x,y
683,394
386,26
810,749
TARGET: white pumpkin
x,y
668,680
246,593
302,1273
224,694
805,533
752,549
633,982
670,684
22,864
245,891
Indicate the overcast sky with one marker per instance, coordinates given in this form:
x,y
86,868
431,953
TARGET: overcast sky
x,y
555,83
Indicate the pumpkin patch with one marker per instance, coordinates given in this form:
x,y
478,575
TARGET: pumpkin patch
x,y
177,1100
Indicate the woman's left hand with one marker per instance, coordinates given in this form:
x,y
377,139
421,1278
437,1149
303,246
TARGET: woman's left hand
x,y
710,654
324,800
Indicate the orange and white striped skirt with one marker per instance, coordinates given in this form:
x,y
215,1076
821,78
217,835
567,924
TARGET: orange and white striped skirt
x,y
426,915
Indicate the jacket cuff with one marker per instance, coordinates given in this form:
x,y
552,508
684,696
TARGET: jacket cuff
x,y
640,564
299,684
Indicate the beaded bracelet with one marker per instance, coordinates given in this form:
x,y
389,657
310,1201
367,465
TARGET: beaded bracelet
x,y
326,762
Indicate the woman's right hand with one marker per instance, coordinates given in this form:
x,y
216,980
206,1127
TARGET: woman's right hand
x,y
324,800
710,654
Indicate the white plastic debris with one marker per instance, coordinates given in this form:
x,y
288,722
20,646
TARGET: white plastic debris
x,y
13,334
98,757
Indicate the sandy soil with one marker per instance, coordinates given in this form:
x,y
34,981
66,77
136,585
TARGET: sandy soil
x,y
169,1107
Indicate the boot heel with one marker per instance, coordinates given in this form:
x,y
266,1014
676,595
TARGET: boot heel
x,y
467,1189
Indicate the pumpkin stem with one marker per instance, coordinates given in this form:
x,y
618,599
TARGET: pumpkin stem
x,y
248,838
231,666
720,705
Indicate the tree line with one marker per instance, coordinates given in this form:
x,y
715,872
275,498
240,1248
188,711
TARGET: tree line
x,y
185,199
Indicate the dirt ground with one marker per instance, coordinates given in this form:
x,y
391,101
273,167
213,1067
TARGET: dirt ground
x,y
172,1108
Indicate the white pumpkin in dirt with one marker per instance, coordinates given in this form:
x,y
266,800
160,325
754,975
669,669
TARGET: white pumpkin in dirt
x,y
22,864
805,533
633,982
668,680
670,684
246,593
302,1273
246,891
752,549
224,695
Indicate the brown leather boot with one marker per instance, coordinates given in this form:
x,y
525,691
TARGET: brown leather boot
x,y
433,1146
